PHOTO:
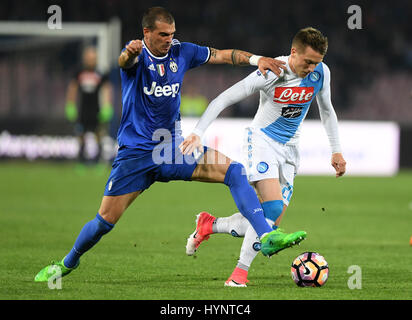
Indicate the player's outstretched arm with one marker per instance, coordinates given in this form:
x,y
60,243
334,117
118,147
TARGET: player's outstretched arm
x,y
239,91
242,58
330,122
128,57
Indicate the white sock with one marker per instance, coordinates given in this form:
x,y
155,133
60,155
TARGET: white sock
x,y
236,225
250,247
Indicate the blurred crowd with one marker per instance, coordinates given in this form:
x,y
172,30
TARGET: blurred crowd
x,y
371,67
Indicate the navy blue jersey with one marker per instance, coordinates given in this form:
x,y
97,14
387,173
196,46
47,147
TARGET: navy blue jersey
x,y
151,94
90,82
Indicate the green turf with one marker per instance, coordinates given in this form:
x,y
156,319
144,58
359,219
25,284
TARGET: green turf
x,y
351,221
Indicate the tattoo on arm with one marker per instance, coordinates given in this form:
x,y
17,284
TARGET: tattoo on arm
x,y
234,56
230,56
240,58
213,52
126,61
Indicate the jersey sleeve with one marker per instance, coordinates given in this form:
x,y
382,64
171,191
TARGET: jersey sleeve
x,y
195,55
327,112
239,91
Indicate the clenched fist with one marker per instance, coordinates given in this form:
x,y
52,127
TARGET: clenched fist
x,y
129,56
339,163
134,47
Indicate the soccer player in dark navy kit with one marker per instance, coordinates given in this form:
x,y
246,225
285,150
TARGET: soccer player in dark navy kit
x,y
82,102
149,135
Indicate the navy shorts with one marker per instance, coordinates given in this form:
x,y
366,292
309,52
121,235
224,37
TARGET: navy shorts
x,y
133,170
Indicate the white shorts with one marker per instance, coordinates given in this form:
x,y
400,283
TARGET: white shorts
x,y
265,158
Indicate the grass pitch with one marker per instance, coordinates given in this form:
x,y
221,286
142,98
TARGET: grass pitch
x,y
359,221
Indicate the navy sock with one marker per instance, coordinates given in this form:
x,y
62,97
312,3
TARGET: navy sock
x,y
245,198
88,237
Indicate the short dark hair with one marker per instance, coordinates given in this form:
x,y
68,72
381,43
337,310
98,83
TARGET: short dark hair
x,y
311,37
154,14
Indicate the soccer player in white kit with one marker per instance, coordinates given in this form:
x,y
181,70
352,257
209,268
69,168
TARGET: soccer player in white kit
x,y
270,149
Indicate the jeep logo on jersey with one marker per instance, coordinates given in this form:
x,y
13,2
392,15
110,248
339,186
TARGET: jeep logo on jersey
x,y
159,91
295,95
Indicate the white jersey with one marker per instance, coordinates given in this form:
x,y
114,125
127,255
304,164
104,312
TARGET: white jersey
x,y
284,103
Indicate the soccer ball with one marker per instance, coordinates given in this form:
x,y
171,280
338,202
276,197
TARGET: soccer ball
x,y
310,269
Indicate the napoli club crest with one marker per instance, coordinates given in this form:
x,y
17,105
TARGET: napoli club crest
x,y
262,167
256,246
314,76
173,66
